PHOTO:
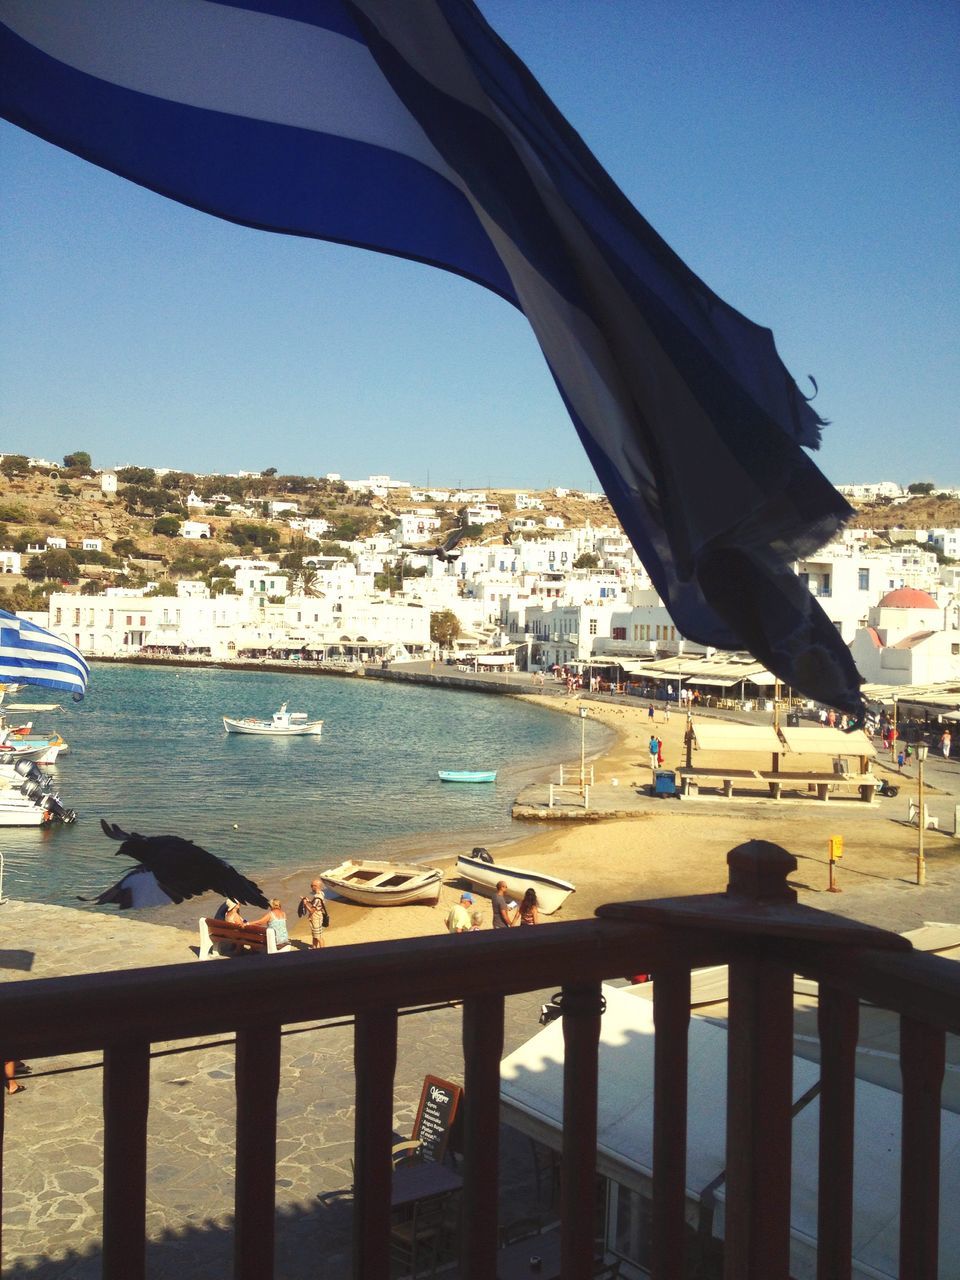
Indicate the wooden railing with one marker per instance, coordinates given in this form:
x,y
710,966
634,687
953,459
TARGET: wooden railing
x,y
756,927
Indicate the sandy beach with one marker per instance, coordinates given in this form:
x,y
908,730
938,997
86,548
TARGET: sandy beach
x,y
679,847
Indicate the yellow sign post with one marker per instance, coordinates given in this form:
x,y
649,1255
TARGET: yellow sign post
x,y
835,846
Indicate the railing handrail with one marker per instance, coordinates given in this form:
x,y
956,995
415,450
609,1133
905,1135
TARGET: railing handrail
x,y
90,1011
45,1016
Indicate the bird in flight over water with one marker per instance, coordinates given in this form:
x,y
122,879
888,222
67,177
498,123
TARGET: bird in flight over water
x,y
171,869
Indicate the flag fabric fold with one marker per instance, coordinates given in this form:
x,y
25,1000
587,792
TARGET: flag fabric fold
x,y
412,129
30,655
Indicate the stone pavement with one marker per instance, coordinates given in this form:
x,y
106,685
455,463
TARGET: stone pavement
x,y
54,1130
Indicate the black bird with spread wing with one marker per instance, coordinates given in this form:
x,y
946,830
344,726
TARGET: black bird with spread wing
x,y
171,869
445,552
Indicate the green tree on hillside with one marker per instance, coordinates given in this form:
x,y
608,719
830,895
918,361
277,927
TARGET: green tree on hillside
x,y
163,589
166,527
15,464
587,560
137,475
920,487
53,564
79,459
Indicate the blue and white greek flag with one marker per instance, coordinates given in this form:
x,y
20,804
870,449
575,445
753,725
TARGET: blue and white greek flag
x,y
30,655
412,129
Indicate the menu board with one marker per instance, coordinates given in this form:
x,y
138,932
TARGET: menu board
x,y
439,1100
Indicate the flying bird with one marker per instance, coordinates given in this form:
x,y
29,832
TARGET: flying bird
x,y
171,869
445,551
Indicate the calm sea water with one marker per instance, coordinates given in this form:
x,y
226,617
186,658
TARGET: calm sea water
x,y
148,751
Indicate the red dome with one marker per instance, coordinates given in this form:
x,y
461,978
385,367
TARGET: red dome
x,y
908,598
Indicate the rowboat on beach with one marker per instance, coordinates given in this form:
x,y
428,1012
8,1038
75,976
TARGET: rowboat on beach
x,y
551,892
383,884
282,724
467,775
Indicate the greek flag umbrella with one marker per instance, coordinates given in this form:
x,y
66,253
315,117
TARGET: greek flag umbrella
x,y
412,129
30,655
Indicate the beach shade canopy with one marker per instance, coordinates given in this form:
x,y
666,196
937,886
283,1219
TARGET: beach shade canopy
x,y
719,735
413,130
822,740
30,655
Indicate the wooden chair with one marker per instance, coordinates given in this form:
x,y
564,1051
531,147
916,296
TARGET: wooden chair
x,y
416,1242
408,1152
546,1172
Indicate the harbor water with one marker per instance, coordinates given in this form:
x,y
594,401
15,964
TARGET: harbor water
x,y
148,751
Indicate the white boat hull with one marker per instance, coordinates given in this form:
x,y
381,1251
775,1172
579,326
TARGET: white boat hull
x,y
383,884
23,815
264,728
551,892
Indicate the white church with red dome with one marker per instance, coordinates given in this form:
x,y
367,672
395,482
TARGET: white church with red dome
x,y
909,639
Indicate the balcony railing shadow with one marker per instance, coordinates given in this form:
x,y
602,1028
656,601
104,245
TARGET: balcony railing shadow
x,y
756,928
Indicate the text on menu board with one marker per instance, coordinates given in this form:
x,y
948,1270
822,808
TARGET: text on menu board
x,y
439,1100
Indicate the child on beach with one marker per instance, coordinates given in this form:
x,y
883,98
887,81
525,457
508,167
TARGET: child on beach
x,y
313,905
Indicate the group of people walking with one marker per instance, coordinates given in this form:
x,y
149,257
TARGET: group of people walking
x,y
507,912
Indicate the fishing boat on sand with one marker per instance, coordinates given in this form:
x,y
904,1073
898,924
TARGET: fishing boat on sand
x,y
282,724
383,884
467,775
551,892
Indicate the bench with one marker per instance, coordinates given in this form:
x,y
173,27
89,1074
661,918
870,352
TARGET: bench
x,y
690,779
822,783
219,938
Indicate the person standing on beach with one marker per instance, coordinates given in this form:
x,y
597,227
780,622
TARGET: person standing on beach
x,y
945,741
504,916
458,919
651,714
315,907
654,748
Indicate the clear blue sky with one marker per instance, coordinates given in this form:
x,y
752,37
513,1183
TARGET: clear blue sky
x,y
802,158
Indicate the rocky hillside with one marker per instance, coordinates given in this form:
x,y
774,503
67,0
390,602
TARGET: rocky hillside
x,y
138,526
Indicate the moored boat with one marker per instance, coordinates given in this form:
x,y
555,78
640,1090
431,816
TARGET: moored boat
x,y
551,892
467,775
282,724
383,884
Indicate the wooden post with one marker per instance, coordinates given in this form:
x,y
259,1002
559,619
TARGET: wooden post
x,y
922,1059
582,1008
375,1061
671,1017
257,1083
838,1016
482,1050
126,1098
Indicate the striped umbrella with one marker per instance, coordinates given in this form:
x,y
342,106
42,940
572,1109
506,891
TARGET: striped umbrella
x,y
30,655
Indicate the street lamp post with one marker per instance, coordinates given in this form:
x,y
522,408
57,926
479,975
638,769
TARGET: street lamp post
x,y
583,731
922,750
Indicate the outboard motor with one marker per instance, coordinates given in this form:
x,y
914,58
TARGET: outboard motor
x,y
481,854
53,805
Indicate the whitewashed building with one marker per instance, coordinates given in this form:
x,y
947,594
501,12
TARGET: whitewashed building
x,y
417,526
194,529
909,639
9,561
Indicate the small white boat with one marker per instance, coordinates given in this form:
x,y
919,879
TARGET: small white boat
x,y
383,884
551,892
282,724
23,815
467,775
